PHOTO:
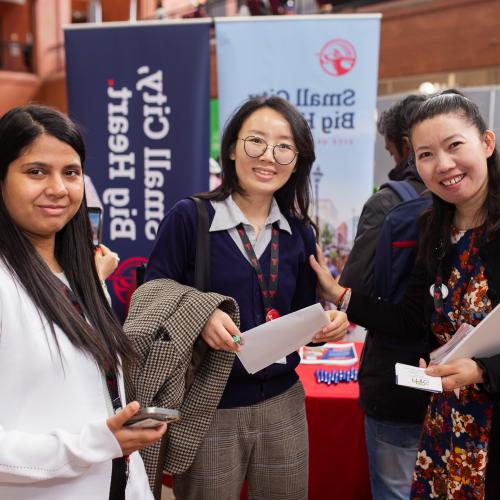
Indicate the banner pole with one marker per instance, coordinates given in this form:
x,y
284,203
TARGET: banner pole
x,y
133,11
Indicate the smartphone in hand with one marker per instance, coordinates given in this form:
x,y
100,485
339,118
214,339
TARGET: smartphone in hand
x,y
152,416
95,217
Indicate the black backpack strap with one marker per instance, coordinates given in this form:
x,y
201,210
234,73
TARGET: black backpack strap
x,y
202,283
202,259
140,272
403,189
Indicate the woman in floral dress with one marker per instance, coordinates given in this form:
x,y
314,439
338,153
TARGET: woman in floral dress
x,y
456,280
453,449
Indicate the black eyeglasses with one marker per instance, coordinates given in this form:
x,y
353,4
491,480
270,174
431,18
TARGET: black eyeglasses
x,y
255,147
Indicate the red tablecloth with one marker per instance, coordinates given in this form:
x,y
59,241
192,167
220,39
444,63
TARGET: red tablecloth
x,y
338,463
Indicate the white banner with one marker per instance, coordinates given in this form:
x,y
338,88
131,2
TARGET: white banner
x,y
326,66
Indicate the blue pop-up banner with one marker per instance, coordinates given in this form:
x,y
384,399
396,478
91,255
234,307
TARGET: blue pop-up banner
x,y
327,67
140,92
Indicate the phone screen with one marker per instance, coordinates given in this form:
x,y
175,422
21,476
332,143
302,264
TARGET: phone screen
x,y
95,217
152,417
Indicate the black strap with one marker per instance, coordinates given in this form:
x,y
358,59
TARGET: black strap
x,y
202,283
202,259
119,477
140,271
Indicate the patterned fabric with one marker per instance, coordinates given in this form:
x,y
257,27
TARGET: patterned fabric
x,y
164,321
265,443
453,452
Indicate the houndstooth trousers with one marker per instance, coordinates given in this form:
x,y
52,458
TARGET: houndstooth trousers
x,y
265,443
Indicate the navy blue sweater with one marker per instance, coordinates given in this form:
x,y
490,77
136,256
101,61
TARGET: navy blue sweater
x,y
232,275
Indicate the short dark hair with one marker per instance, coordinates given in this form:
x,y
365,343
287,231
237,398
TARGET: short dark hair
x,y
436,222
394,122
99,333
294,197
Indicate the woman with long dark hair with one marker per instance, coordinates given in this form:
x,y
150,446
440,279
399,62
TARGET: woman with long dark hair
x,y
61,348
456,280
260,239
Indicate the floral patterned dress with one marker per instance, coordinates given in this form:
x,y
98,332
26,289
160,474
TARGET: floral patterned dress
x,y
451,463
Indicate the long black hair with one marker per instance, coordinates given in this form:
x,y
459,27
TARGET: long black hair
x,y
435,224
99,334
295,196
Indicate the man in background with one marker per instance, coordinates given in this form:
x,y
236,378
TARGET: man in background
x,y
393,414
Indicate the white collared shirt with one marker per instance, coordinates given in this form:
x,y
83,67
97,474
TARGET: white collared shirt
x,y
228,217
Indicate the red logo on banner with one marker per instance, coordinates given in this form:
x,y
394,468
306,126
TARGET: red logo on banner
x,y
123,278
337,57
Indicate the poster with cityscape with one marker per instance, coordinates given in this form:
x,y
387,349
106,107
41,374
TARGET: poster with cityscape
x,y
327,67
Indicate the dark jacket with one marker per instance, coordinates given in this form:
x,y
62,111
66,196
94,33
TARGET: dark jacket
x,y
380,397
412,319
173,257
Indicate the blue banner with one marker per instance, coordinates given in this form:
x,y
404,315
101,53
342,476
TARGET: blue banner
x,y
140,93
326,66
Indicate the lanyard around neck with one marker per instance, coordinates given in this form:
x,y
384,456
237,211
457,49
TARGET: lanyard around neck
x,y
268,291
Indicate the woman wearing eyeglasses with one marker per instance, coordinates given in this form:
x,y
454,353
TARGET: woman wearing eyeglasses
x,y
260,239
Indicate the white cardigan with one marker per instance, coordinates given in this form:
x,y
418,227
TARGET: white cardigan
x,y
54,441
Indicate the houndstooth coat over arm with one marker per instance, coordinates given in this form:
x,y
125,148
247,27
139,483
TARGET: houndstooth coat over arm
x,y
163,323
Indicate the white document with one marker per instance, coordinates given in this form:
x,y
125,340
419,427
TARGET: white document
x,y
267,343
480,341
416,378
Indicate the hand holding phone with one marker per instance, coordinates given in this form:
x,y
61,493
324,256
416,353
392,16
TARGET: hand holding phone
x,y
95,217
152,416
131,440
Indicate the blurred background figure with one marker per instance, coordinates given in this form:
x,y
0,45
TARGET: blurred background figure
x,y
391,411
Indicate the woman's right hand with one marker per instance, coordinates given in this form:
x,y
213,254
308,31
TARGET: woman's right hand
x,y
133,439
218,331
106,261
329,289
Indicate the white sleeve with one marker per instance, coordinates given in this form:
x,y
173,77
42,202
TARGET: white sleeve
x,y
29,457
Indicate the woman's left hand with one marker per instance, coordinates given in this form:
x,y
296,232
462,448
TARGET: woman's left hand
x,y
456,374
328,287
335,330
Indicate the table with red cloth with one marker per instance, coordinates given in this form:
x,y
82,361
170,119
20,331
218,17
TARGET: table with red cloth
x,y
338,462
